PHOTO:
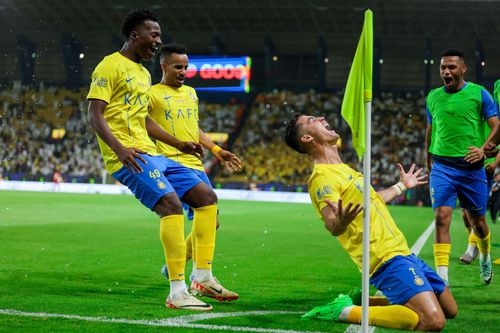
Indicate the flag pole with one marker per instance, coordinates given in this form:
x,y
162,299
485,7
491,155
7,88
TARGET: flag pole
x,y
356,110
365,284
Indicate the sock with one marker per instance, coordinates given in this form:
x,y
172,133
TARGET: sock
x,y
202,274
472,239
204,232
177,287
391,316
189,246
442,272
174,246
442,254
483,244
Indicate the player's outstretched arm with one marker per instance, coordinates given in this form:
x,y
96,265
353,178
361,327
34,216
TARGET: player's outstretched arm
x,y
230,160
126,155
337,217
156,132
407,180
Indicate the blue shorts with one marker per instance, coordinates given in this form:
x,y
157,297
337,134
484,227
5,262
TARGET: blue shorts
x,y
469,186
202,176
158,178
403,277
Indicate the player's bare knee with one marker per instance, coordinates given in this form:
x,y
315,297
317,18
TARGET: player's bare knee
x,y
442,219
451,313
437,324
168,205
431,324
435,321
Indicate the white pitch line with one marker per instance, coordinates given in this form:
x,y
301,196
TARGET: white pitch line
x,y
416,248
419,244
181,321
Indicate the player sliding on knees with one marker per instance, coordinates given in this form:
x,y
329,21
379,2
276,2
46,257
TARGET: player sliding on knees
x,y
416,297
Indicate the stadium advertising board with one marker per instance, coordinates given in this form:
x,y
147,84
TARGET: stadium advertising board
x,y
206,73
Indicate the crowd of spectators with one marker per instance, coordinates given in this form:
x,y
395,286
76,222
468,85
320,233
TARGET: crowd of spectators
x,y
30,117
47,129
44,130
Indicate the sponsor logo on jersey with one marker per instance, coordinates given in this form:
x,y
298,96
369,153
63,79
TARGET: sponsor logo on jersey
x,y
325,190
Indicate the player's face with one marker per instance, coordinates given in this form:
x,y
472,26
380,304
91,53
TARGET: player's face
x,y
452,70
317,128
148,38
174,69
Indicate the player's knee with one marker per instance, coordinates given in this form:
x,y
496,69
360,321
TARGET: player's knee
x,y
211,197
442,219
451,313
168,205
432,322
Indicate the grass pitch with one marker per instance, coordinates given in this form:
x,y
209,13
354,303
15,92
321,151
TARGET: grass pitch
x,y
100,256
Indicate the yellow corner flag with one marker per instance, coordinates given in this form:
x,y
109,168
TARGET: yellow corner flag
x,y
358,89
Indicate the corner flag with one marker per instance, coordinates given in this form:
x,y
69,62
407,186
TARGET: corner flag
x,y
359,86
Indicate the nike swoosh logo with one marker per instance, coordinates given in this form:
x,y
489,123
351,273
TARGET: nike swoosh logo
x,y
193,306
129,80
167,97
219,291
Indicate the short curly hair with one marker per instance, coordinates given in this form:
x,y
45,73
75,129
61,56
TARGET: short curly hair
x,y
136,17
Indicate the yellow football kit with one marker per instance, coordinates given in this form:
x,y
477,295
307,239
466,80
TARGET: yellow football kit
x,y
334,181
176,111
123,84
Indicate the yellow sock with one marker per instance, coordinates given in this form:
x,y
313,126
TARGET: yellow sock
x,y
204,233
174,246
483,244
391,316
442,254
472,239
189,246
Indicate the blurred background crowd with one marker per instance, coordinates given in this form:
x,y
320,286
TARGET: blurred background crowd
x,y
46,130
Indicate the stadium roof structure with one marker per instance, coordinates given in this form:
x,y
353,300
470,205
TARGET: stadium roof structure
x,y
474,18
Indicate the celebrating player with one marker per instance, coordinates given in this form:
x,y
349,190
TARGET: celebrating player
x,y
174,106
419,298
118,112
455,144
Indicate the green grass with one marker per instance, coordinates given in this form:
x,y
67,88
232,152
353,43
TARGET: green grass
x,y
100,255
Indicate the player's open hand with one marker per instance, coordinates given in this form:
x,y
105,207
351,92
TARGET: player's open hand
x,y
193,148
347,214
129,157
474,154
411,178
230,160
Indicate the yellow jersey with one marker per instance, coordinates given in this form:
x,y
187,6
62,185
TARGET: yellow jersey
x,y
123,84
334,181
176,111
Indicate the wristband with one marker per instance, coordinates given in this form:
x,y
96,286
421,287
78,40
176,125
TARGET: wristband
x,y
215,150
399,187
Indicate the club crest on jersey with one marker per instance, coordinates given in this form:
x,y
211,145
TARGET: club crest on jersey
x,y
161,185
327,189
193,97
418,281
